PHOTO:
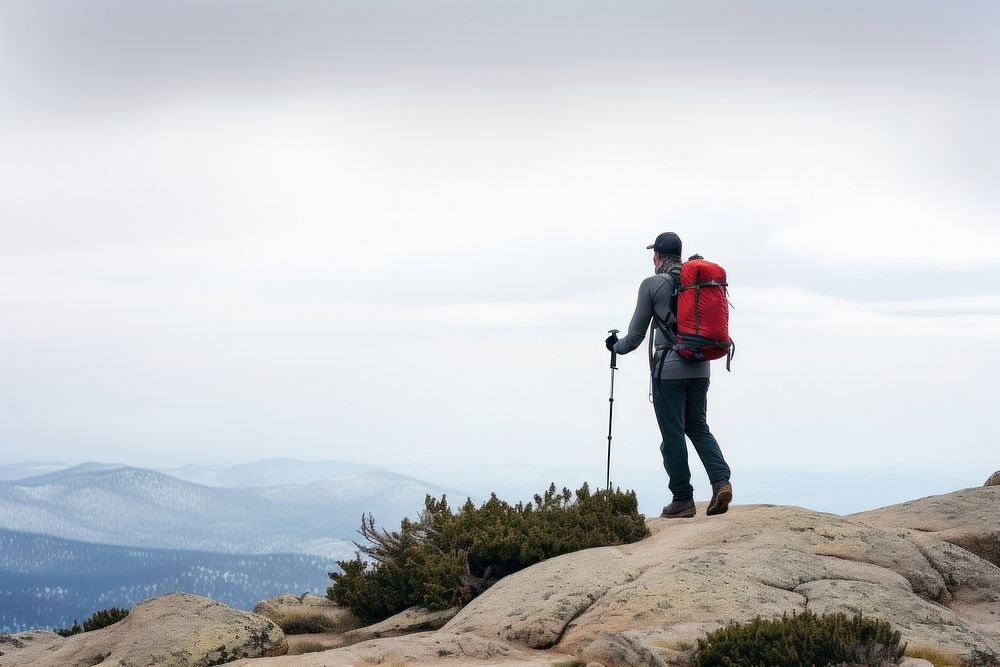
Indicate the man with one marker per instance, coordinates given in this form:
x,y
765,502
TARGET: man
x,y
680,386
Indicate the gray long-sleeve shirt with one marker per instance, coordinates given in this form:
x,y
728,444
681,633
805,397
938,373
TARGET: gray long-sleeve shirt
x,y
654,295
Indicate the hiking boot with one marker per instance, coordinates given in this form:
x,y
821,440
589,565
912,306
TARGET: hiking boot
x,y
722,495
679,509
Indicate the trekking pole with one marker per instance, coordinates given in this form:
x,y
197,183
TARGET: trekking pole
x,y
611,409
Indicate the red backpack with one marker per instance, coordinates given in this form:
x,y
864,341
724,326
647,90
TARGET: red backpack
x,y
703,312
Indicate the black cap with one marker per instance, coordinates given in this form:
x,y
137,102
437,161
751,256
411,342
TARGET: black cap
x,y
667,243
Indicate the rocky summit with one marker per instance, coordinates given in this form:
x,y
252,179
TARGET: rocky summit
x,y
644,603
928,567
174,630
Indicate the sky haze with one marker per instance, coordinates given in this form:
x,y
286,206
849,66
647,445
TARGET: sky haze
x,y
397,231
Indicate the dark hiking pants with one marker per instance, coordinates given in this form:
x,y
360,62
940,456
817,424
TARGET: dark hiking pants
x,y
680,407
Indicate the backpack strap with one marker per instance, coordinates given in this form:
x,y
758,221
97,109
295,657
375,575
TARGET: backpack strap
x,y
667,327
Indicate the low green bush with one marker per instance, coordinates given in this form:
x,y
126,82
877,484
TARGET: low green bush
x,y
75,629
308,647
446,558
304,622
99,619
104,618
802,639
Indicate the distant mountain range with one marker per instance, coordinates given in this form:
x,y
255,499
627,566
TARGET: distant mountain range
x,y
270,472
13,471
48,582
76,539
128,506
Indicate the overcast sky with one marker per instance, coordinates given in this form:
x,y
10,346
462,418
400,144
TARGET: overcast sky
x,y
399,231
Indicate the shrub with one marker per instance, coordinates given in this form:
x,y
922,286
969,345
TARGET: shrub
x,y
69,632
446,558
104,618
307,647
802,639
99,619
304,622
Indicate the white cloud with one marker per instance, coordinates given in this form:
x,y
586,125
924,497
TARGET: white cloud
x,y
430,265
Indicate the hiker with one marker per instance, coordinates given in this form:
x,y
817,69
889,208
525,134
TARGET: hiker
x,y
679,385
